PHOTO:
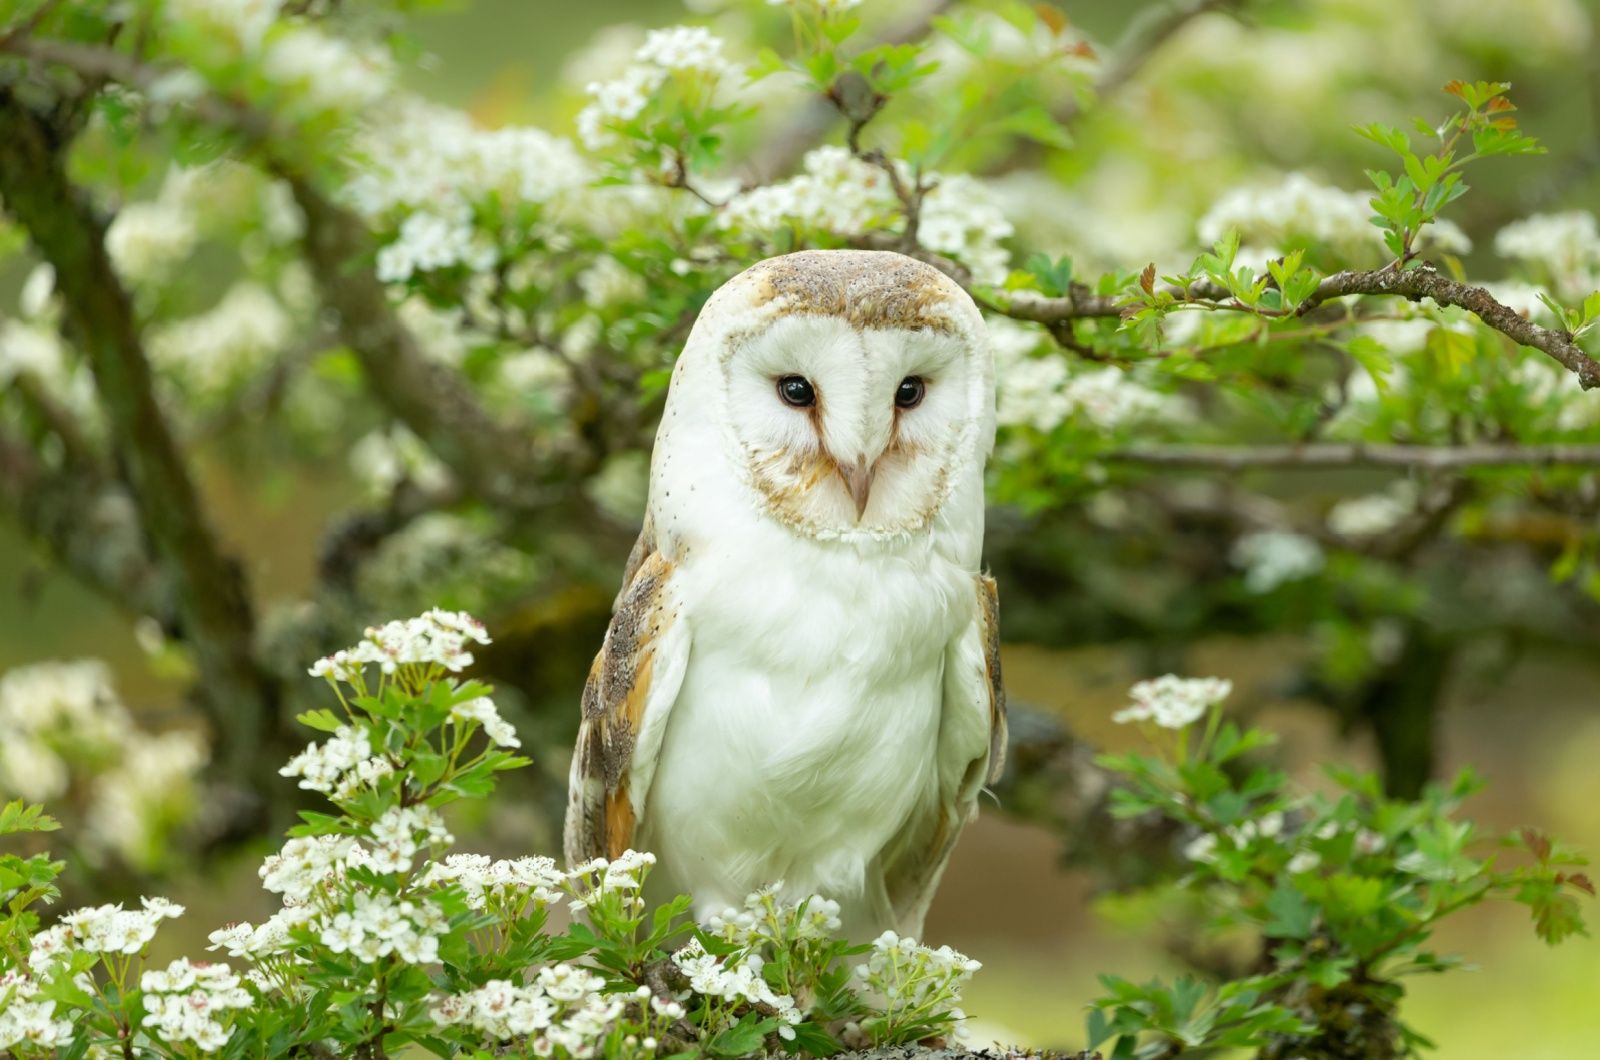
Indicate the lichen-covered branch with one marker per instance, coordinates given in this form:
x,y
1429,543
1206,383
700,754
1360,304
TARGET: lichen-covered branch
x,y
213,605
88,525
1413,284
1427,282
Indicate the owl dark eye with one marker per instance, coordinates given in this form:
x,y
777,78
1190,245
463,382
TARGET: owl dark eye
x,y
796,390
909,394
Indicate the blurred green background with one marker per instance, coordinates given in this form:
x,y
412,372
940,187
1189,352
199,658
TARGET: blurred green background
x,y
1286,87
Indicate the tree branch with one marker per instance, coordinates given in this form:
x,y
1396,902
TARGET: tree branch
x,y
492,460
1426,282
1413,284
211,598
1355,454
88,525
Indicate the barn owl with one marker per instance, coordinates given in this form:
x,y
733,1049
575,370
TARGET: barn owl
x,y
801,679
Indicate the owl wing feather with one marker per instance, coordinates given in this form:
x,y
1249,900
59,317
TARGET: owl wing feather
x,y
971,753
632,685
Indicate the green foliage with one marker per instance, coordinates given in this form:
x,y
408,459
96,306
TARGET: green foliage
x,y
1404,204
1338,892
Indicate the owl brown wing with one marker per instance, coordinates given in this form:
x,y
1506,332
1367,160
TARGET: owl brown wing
x,y
971,753
632,685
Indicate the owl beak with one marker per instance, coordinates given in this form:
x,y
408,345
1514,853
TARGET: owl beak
x,y
858,477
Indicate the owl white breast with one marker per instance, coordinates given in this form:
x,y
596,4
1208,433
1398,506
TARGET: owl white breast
x,y
801,681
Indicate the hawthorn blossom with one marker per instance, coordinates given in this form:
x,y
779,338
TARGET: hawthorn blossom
x,y
146,240
434,638
565,1006
916,979
377,925
664,52
1271,558
1374,513
483,711
113,929
1173,702
320,767
186,1002
485,880
733,980
26,1020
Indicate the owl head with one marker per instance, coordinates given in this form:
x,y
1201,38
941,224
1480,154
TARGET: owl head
x,y
851,391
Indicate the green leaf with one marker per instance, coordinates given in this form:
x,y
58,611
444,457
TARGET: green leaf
x,y
1292,916
17,817
321,720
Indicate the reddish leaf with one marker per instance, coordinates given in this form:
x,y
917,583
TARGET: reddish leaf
x,y
1537,843
1147,278
1580,880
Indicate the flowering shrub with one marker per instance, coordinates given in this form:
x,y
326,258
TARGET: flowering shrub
x,y
66,738
385,937
1337,891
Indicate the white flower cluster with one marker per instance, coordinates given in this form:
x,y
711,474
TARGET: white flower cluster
x,y
1565,245
1173,702
426,168
327,72
377,925
304,864
504,883
232,340
1298,209
608,282
690,50
840,194
49,709
1041,392
401,832
563,1008
914,977
1375,513
765,919
434,638
184,1002
384,458
104,929
134,804
341,764
428,241
27,1022
1271,558
270,938
1203,848
735,980
482,711
620,878
146,240
61,718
